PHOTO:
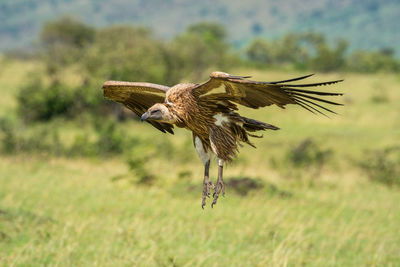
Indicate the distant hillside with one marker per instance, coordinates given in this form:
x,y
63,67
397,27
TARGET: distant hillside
x,y
368,24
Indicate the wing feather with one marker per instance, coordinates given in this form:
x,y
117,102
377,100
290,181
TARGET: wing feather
x,y
255,94
138,97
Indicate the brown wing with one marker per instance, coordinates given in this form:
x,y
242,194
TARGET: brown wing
x,y
138,97
255,94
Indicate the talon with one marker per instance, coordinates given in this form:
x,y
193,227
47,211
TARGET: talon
x,y
207,185
220,188
215,201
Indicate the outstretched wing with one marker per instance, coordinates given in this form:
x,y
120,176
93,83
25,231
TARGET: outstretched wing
x,y
255,94
138,97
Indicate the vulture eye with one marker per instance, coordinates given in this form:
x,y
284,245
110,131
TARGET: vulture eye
x,y
155,111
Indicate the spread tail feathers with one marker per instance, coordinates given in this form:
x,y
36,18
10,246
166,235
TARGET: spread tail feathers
x,y
255,125
250,126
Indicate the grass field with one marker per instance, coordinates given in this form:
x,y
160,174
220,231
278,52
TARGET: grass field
x,y
87,211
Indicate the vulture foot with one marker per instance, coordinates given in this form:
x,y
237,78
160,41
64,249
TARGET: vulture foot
x,y
220,187
207,187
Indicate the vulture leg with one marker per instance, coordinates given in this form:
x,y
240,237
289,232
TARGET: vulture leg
x,y
205,156
207,184
220,183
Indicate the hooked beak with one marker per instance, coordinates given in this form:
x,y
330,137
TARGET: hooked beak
x,y
145,116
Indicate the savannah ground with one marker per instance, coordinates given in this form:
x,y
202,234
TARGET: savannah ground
x,y
80,211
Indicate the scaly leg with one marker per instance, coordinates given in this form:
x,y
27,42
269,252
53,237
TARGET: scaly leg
x,y
220,183
205,157
207,184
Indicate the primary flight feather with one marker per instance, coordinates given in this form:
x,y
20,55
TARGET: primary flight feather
x,y
209,110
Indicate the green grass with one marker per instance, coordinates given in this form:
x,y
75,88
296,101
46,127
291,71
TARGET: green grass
x,y
87,211
68,212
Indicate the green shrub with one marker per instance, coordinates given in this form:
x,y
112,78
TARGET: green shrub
x,y
111,140
38,102
305,159
82,146
243,185
88,97
8,136
307,153
64,41
372,61
380,94
137,163
16,139
107,140
202,48
126,53
383,166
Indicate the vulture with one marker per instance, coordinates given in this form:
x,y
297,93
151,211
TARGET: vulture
x,y
210,111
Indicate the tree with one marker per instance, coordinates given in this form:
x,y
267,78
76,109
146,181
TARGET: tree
x,y
67,31
260,52
367,61
201,48
208,31
328,58
126,53
64,41
307,50
283,51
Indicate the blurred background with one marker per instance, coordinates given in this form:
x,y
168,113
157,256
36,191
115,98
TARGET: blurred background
x,y
83,182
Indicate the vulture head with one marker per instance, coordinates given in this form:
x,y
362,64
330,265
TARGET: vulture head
x,y
158,112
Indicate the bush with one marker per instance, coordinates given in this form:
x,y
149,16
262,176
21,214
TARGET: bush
x,y
38,102
8,137
329,58
307,153
137,165
64,41
126,53
202,48
45,138
111,140
304,50
380,94
372,61
383,166
82,146
307,158
260,52
243,185
15,139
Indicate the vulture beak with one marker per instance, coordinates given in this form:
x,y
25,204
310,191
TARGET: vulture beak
x,y
145,116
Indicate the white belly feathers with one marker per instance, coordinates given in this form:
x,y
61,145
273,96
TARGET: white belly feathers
x,y
220,118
